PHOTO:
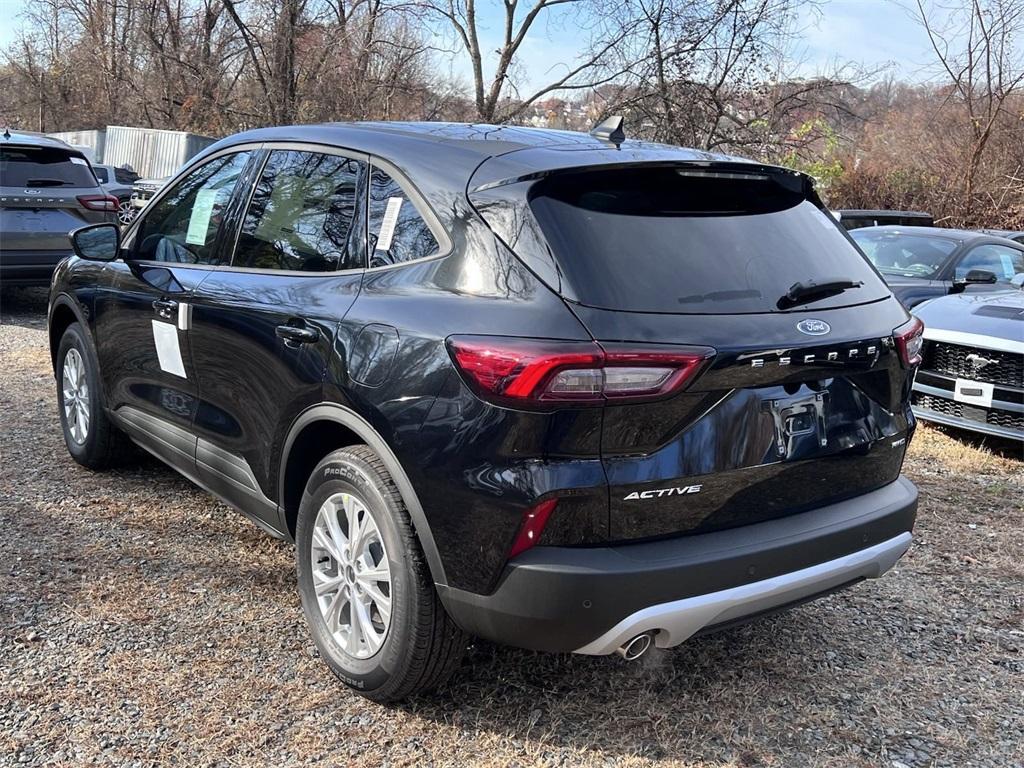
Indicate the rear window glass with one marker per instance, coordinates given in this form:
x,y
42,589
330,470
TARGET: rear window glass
x,y
904,255
43,167
687,241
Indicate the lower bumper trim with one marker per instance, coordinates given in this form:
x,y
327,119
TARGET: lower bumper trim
x,y
959,422
675,622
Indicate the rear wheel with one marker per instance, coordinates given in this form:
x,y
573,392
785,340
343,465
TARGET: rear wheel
x,y
126,212
366,591
92,440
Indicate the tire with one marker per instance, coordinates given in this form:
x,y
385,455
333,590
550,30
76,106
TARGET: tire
x,y
92,441
416,646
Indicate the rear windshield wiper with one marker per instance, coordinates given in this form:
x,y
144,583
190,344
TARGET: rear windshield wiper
x,y
45,183
812,290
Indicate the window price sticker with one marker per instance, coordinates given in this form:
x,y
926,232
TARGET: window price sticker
x,y
387,226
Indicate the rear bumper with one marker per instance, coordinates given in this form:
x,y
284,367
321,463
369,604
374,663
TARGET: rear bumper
x,y
591,600
29,267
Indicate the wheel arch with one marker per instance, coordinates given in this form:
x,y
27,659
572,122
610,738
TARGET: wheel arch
x,y
345,427
63,313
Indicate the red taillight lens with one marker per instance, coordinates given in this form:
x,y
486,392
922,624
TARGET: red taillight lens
x,y
539,372
534,520
99,202
909,339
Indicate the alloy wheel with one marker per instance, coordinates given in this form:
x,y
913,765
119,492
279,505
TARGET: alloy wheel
x,y
75,389
351,575
125,213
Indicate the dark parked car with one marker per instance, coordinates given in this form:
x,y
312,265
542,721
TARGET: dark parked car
x,y
46,189
530,385
856,218
922,263
1009,234
972,376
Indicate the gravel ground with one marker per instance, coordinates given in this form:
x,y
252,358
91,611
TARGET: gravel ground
x,y
144,623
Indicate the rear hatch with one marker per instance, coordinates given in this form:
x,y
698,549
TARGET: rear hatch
x,y
45,192
805,400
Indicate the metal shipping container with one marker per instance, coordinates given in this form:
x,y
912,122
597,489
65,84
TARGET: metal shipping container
x,y
89,143
152,153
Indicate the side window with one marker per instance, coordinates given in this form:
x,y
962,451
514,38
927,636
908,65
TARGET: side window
x,y
398,231
182,227
1004,262
101,174
301,214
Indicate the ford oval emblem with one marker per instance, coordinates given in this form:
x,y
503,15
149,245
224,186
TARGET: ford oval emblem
x,y
813,327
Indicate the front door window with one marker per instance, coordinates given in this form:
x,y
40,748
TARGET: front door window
x,y
182,226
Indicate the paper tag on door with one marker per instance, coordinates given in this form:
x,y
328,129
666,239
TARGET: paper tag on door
x,y
199,221
973,393
168,352
388,224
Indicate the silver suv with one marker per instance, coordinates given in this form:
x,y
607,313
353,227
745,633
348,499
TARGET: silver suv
x,y
47,188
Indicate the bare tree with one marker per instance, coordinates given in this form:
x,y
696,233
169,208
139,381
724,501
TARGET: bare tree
x,y
978,48
720,75
494,92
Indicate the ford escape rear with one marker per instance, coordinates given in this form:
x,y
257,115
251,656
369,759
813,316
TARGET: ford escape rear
x,y
46,189
535,386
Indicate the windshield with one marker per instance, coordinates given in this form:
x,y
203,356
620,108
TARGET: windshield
x,y
678,240
905,255
41,167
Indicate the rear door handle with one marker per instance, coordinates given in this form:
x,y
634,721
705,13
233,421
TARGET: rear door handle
x,y
294,335
165,308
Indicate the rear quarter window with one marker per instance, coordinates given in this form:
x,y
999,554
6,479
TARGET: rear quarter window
x,y
43,167
398,231
676,240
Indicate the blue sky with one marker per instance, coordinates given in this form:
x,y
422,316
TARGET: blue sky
x,y
869,32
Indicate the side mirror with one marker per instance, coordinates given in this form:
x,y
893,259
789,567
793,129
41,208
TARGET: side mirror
x,y
973,277
97,242
980,277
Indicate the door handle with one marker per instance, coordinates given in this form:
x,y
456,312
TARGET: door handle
x,y
165,308
294,335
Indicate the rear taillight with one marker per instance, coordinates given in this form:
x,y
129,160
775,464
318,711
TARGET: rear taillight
x,y
99,202
909,339
534,520
539,372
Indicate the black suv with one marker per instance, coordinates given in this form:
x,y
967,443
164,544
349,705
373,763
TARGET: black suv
x,y
539,387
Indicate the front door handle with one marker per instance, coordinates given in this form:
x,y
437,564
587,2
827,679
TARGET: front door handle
x,y
165,308
294,335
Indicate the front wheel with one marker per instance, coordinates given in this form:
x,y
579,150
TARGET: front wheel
x,y
92,440
366,591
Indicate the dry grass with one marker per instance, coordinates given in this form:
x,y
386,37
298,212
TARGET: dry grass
x,y
142,622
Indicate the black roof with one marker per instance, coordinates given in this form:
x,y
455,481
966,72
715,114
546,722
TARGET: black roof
x,y
1009,233
960,235
463,147
876,213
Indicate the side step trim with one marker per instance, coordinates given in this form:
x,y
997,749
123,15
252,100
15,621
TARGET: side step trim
x,y
189,454
675,622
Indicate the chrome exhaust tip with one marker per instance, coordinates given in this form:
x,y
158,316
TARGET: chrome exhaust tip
x,y
633,649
